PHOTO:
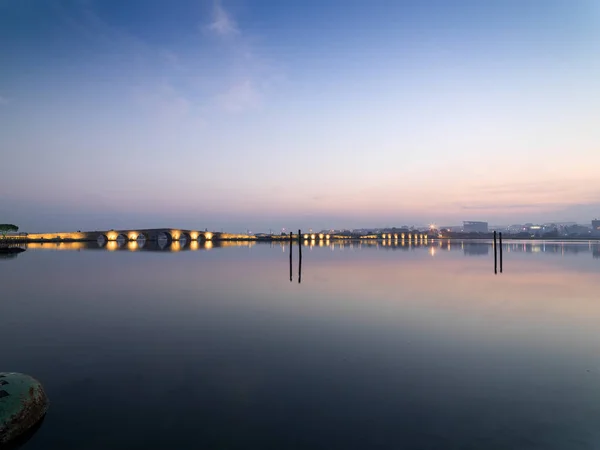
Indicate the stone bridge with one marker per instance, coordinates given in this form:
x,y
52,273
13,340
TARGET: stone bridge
x,y
151,234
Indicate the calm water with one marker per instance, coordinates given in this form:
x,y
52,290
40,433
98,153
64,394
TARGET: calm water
x,y
378,347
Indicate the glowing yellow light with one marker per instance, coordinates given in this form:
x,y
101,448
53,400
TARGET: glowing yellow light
x,y
133,236
321,235
132,245
194,235
111,236
402,235
312,236
112,245
208,245
432,251
395,235
194,245
208,236
306,236
327,236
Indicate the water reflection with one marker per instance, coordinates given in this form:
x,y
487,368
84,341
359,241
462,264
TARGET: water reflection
x,y
138,245
433,247
291,251
10,251
474,249
377,346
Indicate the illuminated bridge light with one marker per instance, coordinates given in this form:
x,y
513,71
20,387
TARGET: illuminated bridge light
x,y
208,236
312,236
306,236
321,235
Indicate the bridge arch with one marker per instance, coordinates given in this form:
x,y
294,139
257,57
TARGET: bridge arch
x,y
164,238
122,240
102,240
141,236
187,236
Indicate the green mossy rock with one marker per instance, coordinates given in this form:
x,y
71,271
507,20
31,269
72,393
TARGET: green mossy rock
x,y
23,403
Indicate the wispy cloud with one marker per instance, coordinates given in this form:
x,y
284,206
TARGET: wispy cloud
x,y
240,97
166,82
171,59
222,23
163,99
152,69
249,76
528,206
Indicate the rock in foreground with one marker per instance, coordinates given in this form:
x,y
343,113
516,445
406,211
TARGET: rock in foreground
x,y
23,403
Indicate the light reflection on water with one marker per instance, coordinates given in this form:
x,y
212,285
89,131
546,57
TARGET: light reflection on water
x,y
382,345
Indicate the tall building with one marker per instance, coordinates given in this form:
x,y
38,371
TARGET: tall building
x,y
475,227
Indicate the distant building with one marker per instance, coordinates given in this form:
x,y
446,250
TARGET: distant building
x,y
596,227
577,230
475,227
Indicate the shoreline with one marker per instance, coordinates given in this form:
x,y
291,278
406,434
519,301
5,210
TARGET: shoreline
x,y
505,238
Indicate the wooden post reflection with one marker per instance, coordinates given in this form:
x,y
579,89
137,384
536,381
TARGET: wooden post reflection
x,y
500,244
300,256
291,248
495,255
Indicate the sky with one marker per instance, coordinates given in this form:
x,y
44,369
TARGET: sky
x,y
264,114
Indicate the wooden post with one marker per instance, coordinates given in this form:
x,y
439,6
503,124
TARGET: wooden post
x,y
291,249
500,244
495,255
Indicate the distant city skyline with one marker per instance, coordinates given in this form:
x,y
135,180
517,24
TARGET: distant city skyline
x,y
245,114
